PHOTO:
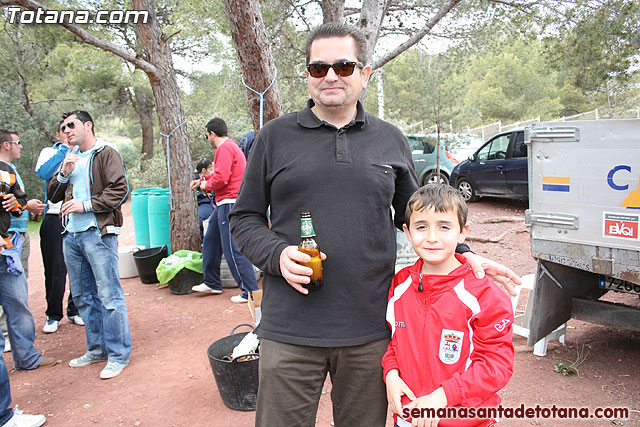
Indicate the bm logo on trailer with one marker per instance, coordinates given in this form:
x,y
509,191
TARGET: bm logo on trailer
x,y
621,225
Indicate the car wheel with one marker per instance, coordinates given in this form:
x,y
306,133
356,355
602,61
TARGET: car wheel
x,y
466,189
431,178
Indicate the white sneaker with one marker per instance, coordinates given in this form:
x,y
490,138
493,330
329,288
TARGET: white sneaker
x,y
25,420
113,369
7,344
76,320
50,326
204,289
85,360
239,299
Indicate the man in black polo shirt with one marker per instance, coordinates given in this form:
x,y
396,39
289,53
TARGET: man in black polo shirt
x,y
348,168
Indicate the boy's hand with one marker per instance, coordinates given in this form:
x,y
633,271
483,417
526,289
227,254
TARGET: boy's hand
x,y
9,202
396,388
436,400
3,245
497,272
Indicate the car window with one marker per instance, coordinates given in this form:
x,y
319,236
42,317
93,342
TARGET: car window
x,y
495,150
416,146
520,148
421,145
429,147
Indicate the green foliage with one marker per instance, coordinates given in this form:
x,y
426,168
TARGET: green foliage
x,y
421,89
571,367
511,83
153,175
595,42
216,95
497,68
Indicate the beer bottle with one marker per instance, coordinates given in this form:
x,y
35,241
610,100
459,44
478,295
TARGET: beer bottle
x,y
309,246
69,194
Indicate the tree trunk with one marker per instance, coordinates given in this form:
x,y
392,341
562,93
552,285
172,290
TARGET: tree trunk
x,y
370,21
144,108
184,217
332,11
258,67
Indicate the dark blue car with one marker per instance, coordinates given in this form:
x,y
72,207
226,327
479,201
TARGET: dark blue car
x,y
499,169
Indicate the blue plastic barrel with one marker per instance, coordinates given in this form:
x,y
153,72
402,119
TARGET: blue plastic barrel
x,y
159,223
139,209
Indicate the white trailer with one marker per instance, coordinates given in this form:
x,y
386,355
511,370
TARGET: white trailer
x,y
584,214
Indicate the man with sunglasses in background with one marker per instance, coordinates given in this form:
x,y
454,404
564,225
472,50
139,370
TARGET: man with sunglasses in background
x,y
93,222
348,168
13,283
19,224
55,270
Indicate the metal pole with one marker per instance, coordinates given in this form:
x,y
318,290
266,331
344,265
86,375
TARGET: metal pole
x,y
261,95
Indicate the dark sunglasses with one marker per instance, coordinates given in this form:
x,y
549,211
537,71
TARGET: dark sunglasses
x,y
342,68
18,142
70,125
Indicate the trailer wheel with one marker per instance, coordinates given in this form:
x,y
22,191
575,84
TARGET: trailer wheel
x,y
465,188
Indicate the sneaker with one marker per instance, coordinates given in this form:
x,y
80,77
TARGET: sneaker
x,y
85,360
7,344
50,326
204,289
48,361
76,320
20,419
239,299
113,369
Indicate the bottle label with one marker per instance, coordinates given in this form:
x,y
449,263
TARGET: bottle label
x,y
306,228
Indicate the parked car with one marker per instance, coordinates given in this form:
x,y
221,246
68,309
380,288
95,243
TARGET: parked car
x,y
499,169
423,151
465,146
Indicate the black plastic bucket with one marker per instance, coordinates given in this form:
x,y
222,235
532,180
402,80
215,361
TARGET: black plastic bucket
x,y
237,379
147,261
182,282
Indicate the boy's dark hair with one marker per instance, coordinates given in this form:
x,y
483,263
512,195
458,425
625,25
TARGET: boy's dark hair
x,y
203,164
217,126
440,197
338,29
5,135
83,116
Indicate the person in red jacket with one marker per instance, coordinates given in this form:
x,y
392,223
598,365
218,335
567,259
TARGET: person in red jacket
x,y
229,164
451,333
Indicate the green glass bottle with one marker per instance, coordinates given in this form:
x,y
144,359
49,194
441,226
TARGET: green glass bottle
x,y
309,246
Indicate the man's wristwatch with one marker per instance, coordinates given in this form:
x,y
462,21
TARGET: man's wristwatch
x,y
64,175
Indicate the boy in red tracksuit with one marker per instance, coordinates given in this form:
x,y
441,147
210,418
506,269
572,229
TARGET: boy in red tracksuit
x,y
451,333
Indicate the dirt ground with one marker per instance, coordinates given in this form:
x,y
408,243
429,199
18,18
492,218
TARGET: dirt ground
x,y
169,381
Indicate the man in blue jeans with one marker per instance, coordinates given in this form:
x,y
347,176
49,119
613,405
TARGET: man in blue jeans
x,y
92,221
9,283
8,415
229,164
13,283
